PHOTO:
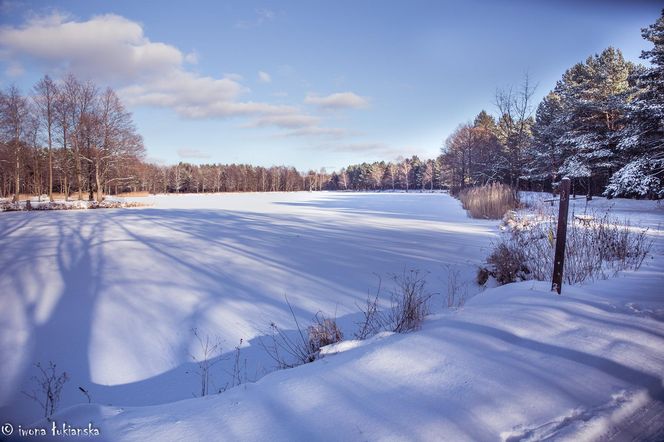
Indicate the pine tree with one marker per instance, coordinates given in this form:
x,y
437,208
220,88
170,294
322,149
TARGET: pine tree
x,y
545,153
642,138
578,124
487,162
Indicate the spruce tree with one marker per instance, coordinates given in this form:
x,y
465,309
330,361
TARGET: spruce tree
x,y
642,138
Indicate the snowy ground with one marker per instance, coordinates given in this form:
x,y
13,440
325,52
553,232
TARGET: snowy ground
x,y
111,296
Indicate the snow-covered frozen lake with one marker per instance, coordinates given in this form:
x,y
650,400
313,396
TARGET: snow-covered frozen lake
x,y
111,296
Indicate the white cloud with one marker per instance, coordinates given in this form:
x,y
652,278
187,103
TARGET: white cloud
x,y
14,70
114,50
262,15
331,132
369,150
340,100
107,47
233,76
289,121
192,153
191,58
264,77
361,147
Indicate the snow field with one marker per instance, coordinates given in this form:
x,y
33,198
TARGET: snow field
x,y
113,296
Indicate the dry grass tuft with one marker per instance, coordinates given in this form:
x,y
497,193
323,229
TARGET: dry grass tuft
x,y
491,201
133,194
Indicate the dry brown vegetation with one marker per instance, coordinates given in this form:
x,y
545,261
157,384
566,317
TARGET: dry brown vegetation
x,y
598,246
491,201
134,194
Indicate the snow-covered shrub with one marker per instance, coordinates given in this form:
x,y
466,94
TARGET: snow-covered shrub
x,y
637,179
491,201
11,206
508,262
598,246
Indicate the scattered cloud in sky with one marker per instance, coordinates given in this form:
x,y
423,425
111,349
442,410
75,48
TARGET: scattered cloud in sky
x,y
233,76
264,77
374,150
14,70
331,132
107,47
289,121
360,147
114,49
192,154
340,100
191,58
261,16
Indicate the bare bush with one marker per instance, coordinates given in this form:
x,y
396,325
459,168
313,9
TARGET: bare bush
x,y
209,355
50,384
373,320
239,371
490,201
509,263
322,332
304,347
456,290
598,247
409,305
482,276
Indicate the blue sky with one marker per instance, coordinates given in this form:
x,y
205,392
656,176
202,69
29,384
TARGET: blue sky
x,y
310,84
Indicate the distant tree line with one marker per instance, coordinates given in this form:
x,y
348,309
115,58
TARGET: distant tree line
x,y
602,125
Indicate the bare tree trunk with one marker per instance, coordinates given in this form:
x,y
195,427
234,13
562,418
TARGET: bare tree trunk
x,y
17,176
50,169
100,191
79,173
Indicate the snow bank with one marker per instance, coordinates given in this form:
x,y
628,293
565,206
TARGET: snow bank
x,y
517,363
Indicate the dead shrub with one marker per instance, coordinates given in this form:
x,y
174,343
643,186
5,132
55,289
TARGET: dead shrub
x,y
303,346
209,355
410,302
598,246
49,388
490,201
457,292
508,263
409,306
372,320
322,332
482,275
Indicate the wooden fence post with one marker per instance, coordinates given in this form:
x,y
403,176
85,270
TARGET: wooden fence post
x,y
561,236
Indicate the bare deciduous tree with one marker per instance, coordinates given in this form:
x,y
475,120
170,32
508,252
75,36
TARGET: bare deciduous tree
x,y
46,94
